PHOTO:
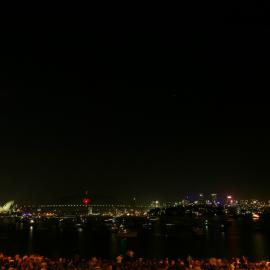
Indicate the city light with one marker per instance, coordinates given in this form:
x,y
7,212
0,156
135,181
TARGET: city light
x,y
255,216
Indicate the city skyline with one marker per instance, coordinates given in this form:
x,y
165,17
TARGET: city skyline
x,y
95,199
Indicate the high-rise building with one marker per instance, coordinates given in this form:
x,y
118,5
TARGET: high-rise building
x,y
229,200
201,198
214,198
155,204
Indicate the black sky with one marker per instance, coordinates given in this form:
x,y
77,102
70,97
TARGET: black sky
x,y
155,109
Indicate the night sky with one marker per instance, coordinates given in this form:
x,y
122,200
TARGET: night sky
x,y
170,106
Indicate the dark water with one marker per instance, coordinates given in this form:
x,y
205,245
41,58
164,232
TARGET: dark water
x,y
241,238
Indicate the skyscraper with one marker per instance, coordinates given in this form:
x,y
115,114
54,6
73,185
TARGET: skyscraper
x,y
214,198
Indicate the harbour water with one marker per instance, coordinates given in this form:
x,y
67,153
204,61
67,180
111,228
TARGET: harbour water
x,y
242,237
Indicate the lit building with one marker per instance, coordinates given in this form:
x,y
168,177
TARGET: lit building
x,y
155,204
229,199
201,199
214,198
7,207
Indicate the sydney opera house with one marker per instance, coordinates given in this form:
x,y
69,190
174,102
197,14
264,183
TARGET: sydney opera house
x,y
6,207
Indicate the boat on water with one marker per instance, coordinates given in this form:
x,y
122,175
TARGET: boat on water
x,y
123,232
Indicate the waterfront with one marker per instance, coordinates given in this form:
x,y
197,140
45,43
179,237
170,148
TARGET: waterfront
x,y
242,237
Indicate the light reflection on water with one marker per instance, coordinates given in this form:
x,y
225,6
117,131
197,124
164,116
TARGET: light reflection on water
x,y
259,246
236,241
113,245
31,239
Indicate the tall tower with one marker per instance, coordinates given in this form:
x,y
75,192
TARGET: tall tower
x,y
229,200
201,198
214,198
86,202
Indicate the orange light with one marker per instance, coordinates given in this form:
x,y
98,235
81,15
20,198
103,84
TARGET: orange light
x,y
255,216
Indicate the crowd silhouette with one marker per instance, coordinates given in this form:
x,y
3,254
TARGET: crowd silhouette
x,y
127,262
